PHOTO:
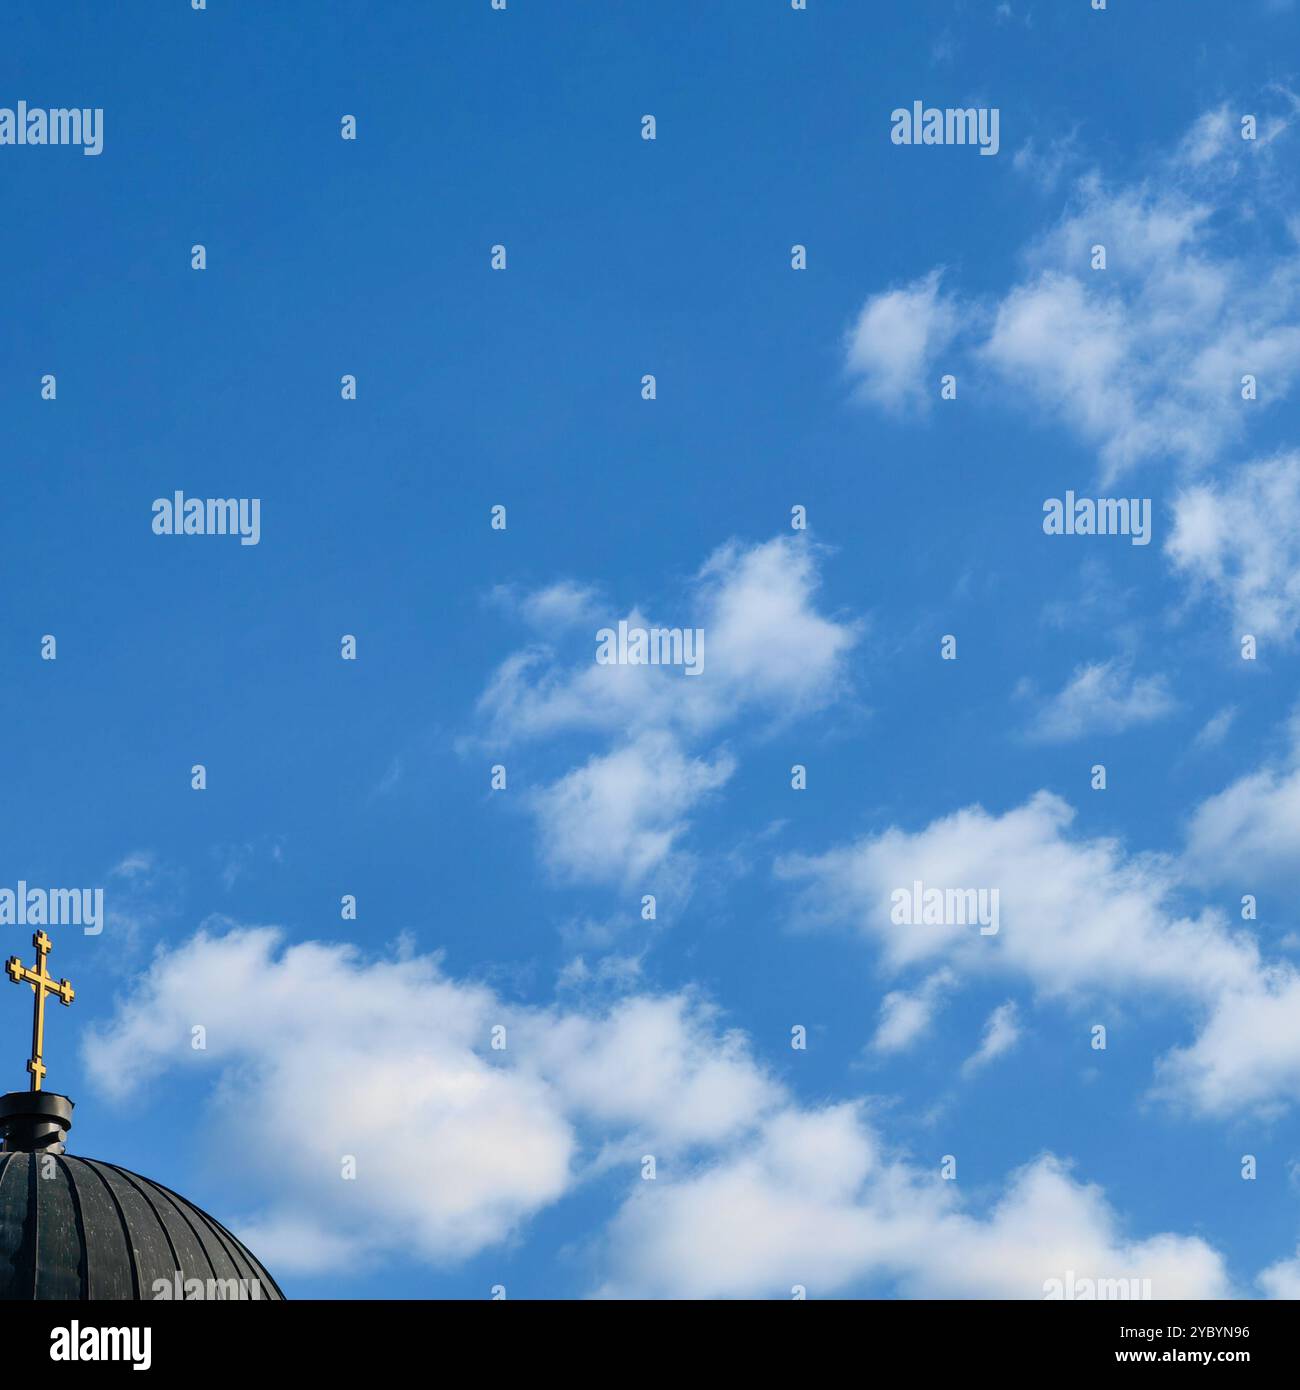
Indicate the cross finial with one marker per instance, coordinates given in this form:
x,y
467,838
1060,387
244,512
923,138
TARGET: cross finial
x,y
42,983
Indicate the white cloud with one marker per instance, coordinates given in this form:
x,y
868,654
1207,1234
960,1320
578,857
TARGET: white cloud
x,y
1282,1280
765,646
1143,359
341,1057
616,818
1209,137
1070,349
144,896
906,1015
1247,1056
315,1053
893,345
1046,164
1081,919
616,973
765,636
1240,540
297,1244
563,604
656,1067
816,1201
1046,1226
134,865
1102,698
1255,820
623,813
1001,1034
1075,914
1215,729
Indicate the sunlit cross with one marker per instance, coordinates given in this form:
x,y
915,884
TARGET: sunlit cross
x,y
42,983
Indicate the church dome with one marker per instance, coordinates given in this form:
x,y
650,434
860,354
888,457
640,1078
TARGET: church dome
x,y
78,1228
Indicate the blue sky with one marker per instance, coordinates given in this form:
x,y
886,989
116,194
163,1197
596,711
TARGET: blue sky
x,y
776,388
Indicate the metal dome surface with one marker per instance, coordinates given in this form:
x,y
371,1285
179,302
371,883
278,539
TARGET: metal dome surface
x,y
78,1228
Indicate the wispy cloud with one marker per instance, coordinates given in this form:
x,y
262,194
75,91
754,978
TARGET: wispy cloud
x,y
1239,541
1103,697
893,347
621,815
906,1015
1143,358
1001,1034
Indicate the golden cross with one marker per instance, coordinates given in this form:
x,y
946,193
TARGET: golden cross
x,y
42,983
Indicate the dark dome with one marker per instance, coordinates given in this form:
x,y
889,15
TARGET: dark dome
x,y
76,1228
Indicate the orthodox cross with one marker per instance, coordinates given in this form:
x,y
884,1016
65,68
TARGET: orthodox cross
x,y
42,983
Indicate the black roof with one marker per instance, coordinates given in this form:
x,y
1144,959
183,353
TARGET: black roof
x,y
76,1228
